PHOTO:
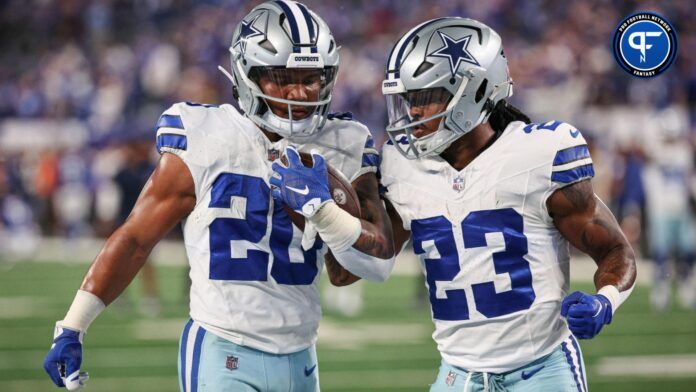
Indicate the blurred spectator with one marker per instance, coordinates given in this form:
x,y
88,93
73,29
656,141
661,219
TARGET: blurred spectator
x,y
18,231
672,232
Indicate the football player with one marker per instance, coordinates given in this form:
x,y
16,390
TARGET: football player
x,y
490,202
254,300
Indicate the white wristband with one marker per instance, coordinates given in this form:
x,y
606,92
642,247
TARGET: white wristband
x,y
337,228
615,297
83,311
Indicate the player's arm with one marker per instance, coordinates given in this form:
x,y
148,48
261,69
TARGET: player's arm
x,y
361,246
401,235
375,232
376,229
586,222
168,197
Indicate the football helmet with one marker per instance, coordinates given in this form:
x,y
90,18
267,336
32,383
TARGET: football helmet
x,y
286,43
456,64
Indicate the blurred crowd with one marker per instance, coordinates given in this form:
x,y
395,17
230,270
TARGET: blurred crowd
x,y
82,83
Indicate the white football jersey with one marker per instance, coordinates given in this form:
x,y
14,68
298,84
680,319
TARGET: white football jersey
x,y
495,265
251,282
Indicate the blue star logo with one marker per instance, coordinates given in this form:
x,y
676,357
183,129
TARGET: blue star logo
x,y
455,51
247,31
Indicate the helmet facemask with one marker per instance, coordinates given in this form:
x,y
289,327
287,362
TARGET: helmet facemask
x,y
295,101
417,121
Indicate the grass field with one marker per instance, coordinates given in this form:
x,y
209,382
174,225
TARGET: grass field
x,y
387,348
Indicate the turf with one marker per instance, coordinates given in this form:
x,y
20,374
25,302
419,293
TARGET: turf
x,y
387,348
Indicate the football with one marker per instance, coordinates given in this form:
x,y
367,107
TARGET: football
x,y
341,190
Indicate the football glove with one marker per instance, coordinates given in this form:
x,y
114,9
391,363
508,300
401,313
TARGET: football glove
x,y
63,361
586,313
303,189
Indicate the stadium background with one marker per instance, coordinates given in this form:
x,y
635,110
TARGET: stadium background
x,y
83,82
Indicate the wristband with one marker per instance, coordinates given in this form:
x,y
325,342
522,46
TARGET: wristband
x,y
615,297
337,228
83,311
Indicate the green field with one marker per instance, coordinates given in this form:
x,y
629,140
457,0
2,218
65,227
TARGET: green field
x,y
388,347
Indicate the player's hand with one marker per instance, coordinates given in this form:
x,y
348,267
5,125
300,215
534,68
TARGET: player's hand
x,y
586,313
63,361
303,189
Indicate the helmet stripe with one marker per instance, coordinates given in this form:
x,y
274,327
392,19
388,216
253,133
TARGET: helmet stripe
x,y
310,26
301,25
400,47
294,30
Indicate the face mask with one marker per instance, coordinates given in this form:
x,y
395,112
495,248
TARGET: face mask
x,y
286,128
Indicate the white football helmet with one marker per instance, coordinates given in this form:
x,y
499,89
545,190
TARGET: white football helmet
x,y
454,61
285,42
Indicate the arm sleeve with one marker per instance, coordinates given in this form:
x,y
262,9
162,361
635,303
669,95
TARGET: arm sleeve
x,y
571,159
569,162
171,133
177,135
370,158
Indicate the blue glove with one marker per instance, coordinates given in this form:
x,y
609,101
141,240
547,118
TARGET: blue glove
x,y
586,314
303,189
63,361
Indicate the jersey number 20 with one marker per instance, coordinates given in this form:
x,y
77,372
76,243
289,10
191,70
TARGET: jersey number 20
x,y
436,234
253,196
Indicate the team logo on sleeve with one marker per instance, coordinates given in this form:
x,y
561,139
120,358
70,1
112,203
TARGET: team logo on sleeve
x,y
645,44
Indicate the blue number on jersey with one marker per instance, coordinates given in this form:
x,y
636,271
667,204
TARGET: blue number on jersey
x,y
549,126
284,271
251,229
474,229
438,232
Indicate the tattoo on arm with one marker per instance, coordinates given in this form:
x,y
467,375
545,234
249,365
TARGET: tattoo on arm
x,y
376,236
401,235
338,275
589,225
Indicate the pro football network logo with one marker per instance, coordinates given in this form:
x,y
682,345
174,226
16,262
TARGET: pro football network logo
x,y
645,44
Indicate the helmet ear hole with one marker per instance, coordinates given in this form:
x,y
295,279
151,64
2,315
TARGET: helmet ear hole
x,y
481,92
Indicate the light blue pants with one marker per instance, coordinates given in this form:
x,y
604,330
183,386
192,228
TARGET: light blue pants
x,y
210,363
561,371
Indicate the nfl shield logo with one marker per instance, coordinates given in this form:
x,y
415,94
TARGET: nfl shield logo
x,y
451,377
458,184
232,362
273,154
